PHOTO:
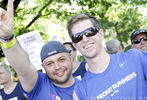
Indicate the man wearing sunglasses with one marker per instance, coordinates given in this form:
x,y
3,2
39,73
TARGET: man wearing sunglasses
x,y
139,39
110,77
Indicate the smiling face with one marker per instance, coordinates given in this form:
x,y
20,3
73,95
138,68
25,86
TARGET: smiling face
x,y
58,68
88,46
142,45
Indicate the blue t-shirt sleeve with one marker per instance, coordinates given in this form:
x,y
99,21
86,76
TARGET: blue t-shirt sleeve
x,y
143,59
36,87
80,91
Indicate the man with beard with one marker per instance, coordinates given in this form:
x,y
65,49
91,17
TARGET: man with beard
x,y
57,83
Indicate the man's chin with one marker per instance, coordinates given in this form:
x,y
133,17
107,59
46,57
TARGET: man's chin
x,y
144,49
60,81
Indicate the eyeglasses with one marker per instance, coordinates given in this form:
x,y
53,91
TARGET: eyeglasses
x,y
70,51
138,40
88,33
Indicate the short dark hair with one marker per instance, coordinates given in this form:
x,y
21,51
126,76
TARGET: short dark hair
x,y
70,43
82,16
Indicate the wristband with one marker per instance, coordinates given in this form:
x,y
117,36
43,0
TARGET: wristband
x,y
9,44
7,40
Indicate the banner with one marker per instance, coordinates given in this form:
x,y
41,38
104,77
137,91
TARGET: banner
x,y
32,43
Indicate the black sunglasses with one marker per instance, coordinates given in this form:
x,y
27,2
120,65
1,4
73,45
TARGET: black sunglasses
x,y
138,40
88,32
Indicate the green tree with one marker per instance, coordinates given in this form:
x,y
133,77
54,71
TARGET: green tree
x,y
119,18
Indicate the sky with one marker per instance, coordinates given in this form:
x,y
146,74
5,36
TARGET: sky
x,y
144,11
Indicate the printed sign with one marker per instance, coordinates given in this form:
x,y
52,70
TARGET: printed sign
x,y
32,43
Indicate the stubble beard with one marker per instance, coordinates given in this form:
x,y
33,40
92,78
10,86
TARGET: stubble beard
x,y
68,76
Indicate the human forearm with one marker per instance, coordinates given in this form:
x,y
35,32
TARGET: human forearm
x,y
17,57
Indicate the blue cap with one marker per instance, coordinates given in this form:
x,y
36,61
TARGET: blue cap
x,y
52,48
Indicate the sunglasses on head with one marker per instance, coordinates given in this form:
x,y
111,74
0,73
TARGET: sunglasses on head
x,y
88,32
138,40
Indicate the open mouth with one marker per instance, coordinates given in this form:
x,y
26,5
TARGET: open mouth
x,y
88,46
60,73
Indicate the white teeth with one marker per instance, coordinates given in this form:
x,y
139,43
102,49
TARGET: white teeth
x,y
87,46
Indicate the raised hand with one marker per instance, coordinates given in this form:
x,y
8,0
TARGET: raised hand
x,y
6,21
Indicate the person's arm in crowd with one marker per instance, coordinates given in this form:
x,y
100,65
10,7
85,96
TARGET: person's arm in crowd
x,y
16,55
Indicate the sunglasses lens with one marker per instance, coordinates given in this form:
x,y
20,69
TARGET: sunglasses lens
x,y
91,32
88,32
76,39
145,38
136,41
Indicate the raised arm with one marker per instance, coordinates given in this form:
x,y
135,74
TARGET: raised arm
x,y
16,55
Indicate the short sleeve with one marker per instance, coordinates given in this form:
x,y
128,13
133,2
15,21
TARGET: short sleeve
x,y
80,91
143,60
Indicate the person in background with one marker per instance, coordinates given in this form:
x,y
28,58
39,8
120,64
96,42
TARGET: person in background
x,y
117,76
79,68
113,46
139,40
11,89
57,83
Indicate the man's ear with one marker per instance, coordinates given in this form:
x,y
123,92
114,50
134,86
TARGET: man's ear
x,y
101,32
42,65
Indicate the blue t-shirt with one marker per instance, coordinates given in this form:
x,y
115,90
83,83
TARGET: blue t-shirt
x,y
80,71
45,90
16,94
124,79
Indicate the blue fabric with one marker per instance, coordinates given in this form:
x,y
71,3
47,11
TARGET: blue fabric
x,y
51,48
80,71
17,94
124,79
45,90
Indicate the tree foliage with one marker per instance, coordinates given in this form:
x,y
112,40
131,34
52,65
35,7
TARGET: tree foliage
x,y
119,18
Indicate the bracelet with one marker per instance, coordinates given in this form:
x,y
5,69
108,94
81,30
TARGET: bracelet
x,y
7,40
8,44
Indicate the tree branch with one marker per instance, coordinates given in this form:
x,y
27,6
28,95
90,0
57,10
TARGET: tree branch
x,y
118,34
39,14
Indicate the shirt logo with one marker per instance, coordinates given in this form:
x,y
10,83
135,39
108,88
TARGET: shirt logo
x,y
122,64
53,52
15,98
54,97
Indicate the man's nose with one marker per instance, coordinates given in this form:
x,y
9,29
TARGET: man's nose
x,y
142,41
85,38
57,65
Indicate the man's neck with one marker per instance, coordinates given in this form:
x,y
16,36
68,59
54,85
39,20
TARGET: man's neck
x,y
99,63
69,83
75,64
9,87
